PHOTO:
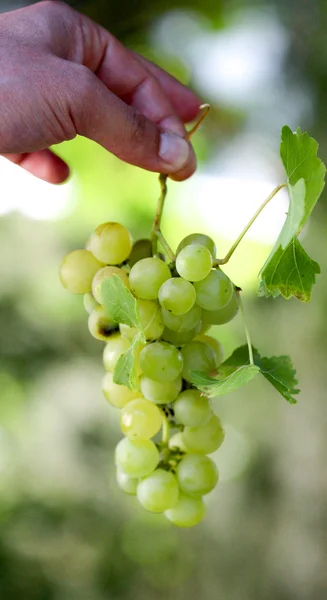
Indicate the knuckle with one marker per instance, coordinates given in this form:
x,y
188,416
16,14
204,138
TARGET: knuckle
x,y
53,7
54,22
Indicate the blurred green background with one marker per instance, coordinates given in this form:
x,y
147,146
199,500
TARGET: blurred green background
x,y
66,531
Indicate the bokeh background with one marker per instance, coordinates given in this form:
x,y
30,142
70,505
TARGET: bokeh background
x,y
66,531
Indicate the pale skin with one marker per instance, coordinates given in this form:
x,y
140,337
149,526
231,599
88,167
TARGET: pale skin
x,y
62,75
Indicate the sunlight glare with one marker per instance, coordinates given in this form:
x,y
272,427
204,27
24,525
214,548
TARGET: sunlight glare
x,y
36,199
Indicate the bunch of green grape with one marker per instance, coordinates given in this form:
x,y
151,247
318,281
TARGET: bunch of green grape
x,y
176,304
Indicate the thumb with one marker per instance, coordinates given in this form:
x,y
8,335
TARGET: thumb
x,y
103,117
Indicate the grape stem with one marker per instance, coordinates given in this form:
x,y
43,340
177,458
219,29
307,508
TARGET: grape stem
x,y
166,246
223,261
158,216
246,329
156,234
204,111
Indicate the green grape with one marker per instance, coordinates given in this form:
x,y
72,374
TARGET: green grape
x,y
136,457
187,512
140,418
198,238
111,243
128,333
179,339
182,323
176,442
161,361
197,475
160,393
158,491
224,315
192,409
100,326
90,302
215,291
104,274
141,249
147,276
127,483
77,271
117,395
116,346
194,262
214,344
177,295
197,356
151,320
206,439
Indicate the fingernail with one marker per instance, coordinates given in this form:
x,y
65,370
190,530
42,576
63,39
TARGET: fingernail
x,y
174,150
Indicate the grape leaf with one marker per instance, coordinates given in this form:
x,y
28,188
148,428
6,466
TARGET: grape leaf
x,y
298,152
289,270
125,369
219,387
236,371
120,303
279,371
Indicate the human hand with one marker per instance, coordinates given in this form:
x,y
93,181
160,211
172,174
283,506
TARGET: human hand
x,y
61,75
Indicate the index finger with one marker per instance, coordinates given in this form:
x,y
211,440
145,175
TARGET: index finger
x,y
185,102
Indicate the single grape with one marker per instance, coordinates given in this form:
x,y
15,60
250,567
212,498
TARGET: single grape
x,y
158,491
151,320
103,274
197,356
141,249
160,393
140,418
214,344
176,442
192,409
187,512
206,439
198,238
215,291
224,315
182,323
197,475
147,276
116,346
161,361
77,271
111,243
89,302
179,339
177,295
127,483
100,326
194,262
136,457
117,395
